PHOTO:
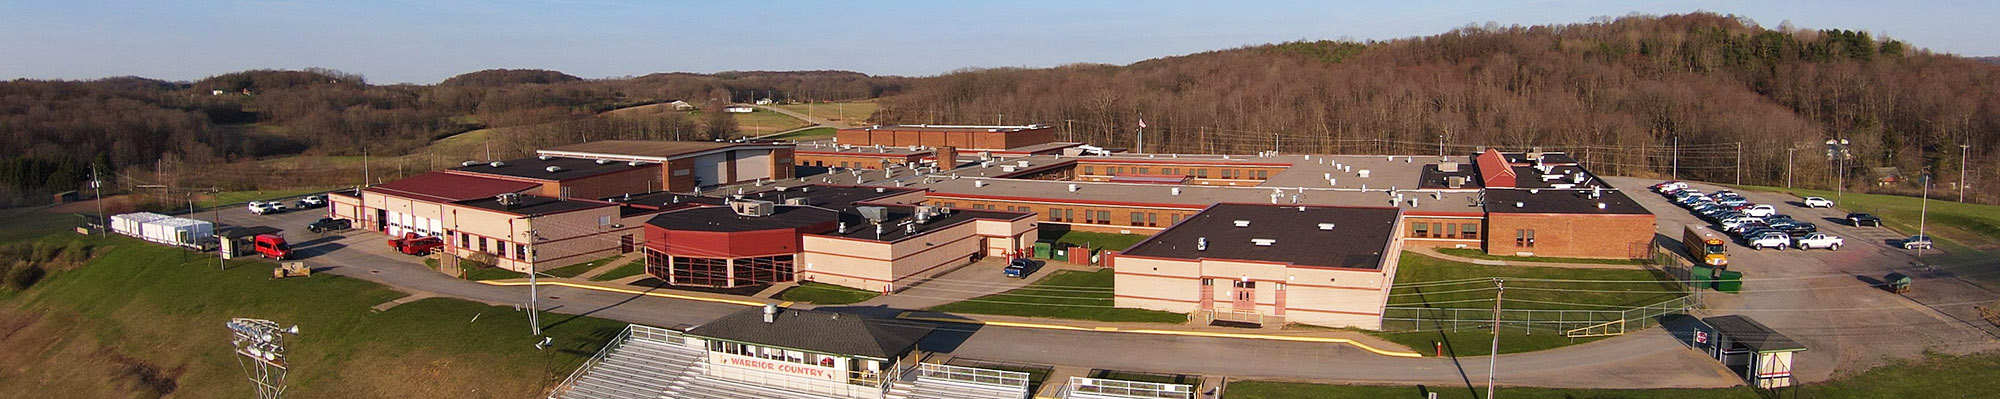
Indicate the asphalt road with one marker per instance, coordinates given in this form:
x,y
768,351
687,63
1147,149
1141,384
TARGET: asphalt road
x,y
1828,300
1646,359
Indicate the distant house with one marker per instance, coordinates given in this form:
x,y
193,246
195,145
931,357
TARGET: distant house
x,y
215,92
681,105
741,109
763,101
1887,175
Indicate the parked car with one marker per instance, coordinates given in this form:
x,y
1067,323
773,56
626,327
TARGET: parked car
x,y
1733,224
411,244
1752,233
1817,202
1734,202
329,224
1761,210
1771,240
1800,229
1019,268
1863,219
1820,241
266,208
1917,241
312,201
272,246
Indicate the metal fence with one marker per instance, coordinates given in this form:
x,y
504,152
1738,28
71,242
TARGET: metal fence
x,y
1404,319
999,378
1094,388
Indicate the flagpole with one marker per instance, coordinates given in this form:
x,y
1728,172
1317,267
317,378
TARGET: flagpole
x,y
1142,133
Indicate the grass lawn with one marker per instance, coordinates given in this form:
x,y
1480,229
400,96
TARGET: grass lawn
x,y
238,197
577,269
1114,242
1478,254
807,134
851,113
825,294
1473,338
1937,376
1065,294
765,122
143,320
632,268
479,272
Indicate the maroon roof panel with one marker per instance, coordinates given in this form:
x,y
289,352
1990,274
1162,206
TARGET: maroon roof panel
x,y
449,187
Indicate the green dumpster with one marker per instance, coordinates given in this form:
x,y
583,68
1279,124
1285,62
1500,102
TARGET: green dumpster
x,y
1729,281
1062,252
1042,249
1701,277
1897,283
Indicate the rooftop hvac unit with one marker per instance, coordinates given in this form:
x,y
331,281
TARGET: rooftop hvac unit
x,y
1364,173
468,163
1448,167
1201,244
497,164
753,208
1022,163
1263,242
553,169
636,163
796,201
508,199
544,157
1242,223
1454,181
1326,226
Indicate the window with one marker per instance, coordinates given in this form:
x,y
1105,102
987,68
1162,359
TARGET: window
x,y
1468,231
500,248
1449,230
1152,219
712,272
1246,284
1089,170
1207,281
603,220
1069,215
1054,215
1176,218
1524,238
1144,170
482,244
1138,219
1201,173
1104,216
1263,174
521,252
1420,229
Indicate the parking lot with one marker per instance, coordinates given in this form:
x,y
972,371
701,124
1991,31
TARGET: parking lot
x,y
1830,300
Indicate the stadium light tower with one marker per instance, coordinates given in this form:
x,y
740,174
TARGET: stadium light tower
x,y
260,345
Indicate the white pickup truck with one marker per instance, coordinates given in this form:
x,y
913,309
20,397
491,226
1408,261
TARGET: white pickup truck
x,y
1820,241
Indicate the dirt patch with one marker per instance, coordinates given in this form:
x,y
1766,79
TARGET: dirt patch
x,y
145,377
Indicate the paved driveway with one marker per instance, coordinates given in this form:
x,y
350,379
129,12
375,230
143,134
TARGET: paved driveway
x,y
1827,299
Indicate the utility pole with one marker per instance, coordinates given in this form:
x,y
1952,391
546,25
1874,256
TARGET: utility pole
x,y
364,163
1923,214
534,311
1440,146
98,186
1677,157
1739,163
1493,355
215,216
1963,151
1788,166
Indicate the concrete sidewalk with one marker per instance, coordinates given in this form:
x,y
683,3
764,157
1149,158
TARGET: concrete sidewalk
x,y
1433,252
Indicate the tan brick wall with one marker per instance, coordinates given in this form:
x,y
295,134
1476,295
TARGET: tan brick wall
x,y
852,161
1571,235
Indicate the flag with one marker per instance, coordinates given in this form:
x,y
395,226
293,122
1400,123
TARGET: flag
x,y
1142,122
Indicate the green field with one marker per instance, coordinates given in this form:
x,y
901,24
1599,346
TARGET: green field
x,y
1427,282
1108,241
762,122
851,113
1478,254
1065,294
1937,376
142,320
825,294
628,269
482,272
807,134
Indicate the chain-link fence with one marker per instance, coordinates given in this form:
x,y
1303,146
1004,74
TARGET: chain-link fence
x,y
1660,259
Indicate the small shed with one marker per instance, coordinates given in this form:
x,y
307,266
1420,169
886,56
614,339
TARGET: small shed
x,y
238,241
1762,356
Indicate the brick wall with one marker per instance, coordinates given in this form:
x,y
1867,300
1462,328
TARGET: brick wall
x,y
1570,235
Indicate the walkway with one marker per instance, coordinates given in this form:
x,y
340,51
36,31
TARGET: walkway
x,y
1433,252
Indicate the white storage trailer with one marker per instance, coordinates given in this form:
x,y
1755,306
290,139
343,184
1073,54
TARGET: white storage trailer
x,y
178,232
129,224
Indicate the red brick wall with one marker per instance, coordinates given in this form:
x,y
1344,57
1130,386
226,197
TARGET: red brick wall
x,y
781,163
853,161
685,180
1570,235
635,181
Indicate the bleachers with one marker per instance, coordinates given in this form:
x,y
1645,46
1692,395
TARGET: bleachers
x,y
650,363
929,388
637,369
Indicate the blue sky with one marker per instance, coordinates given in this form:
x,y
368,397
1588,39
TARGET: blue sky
x,y
427,41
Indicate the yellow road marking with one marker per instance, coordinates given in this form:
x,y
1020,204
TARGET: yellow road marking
x,y
626,291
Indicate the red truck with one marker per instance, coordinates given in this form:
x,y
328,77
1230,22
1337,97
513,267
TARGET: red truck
x,y
413,245
272,246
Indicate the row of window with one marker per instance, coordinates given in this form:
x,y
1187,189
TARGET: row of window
x,y
1069,215
1199,173
720,272
1524,238
499,247
1467,230
774,354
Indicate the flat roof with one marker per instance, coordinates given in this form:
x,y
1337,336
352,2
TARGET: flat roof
x,y
829,148
893,226
450,187
533,205
830,196
724,219
1565,176
638,148
977,128
1358,237
1192,196
665,200
818,331
1562,201
1751,334
538,168
1434,177
1548,157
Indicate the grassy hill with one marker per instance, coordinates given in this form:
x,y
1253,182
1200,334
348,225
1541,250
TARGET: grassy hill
x,y
143,320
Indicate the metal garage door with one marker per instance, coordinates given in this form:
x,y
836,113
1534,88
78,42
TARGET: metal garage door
x,y
753,164
708,169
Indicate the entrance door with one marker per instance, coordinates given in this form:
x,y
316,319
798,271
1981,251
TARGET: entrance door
x,y
382,220
1245,297
1207,294
625,244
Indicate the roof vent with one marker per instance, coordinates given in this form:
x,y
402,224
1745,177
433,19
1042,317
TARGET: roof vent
x,y
508,199
979,183
1326,226
1518,204
770,313
497,164
1242,223
1201,244
1263,242
1534,191
603,162
553,169
544,157
1072,187
1600,205
1176,190
1363,173
468,163
635,163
